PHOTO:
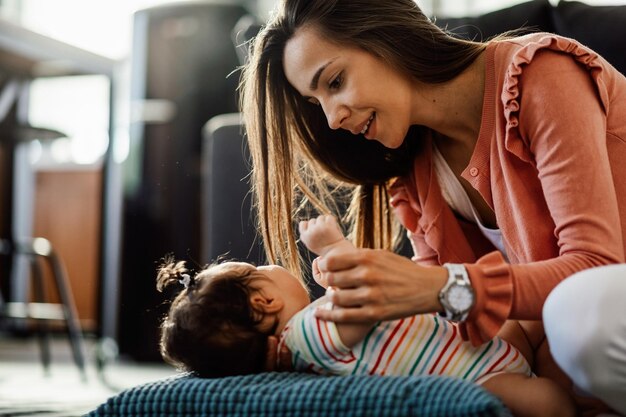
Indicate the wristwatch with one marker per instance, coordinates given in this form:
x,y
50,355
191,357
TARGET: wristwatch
x,y
457,297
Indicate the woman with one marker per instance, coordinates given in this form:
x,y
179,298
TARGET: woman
x,y
503,160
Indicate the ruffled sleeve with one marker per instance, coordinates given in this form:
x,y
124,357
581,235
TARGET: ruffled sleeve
x,y
405,203
492,282
511,89
401,203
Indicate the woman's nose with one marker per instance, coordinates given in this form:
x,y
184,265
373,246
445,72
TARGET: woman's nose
x,y
336,115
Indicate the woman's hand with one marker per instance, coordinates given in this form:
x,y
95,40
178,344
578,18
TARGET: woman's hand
x,y
373,285
318,276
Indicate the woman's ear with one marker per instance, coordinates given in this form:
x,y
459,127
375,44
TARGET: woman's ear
x,y
265,303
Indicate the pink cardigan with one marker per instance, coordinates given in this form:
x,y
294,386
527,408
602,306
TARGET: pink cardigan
x,y
550,160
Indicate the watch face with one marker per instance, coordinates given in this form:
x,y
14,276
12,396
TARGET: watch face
x,y
460,298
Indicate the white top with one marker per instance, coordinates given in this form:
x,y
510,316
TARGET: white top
x,y
458,200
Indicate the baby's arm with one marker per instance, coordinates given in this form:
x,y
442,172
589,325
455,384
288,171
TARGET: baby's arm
x,y
322,234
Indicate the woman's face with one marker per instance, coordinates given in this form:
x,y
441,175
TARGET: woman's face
x,y
357,91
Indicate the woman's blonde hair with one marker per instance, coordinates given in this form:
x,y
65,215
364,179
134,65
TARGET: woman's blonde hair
x,y
299,163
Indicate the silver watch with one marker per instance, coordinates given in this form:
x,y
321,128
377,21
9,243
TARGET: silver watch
x,y
457,297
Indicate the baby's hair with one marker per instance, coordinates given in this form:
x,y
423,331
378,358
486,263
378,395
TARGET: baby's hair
x,y
172,272
211,328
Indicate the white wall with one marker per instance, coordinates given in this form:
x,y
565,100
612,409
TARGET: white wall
x,y
101,26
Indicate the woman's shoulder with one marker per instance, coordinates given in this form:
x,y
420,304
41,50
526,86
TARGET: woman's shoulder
x,y
516,53
530,40
535,56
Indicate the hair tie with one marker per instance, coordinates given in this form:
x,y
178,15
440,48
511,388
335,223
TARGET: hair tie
x,y
186,280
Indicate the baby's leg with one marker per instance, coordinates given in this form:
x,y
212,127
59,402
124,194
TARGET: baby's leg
x,y
531,397
513,332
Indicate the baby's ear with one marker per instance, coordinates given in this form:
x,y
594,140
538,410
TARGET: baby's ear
x,y
266,304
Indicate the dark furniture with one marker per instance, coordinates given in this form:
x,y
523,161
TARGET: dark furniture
x,y
181,61
602,28
228,234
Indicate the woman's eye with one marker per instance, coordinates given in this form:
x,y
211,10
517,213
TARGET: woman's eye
x,y
335,84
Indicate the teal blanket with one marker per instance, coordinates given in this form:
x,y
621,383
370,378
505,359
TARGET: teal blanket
x,y
297,394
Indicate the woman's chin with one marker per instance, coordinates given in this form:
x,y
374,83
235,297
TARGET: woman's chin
x,y
391,144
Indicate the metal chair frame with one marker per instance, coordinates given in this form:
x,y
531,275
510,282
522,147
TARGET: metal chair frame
x,y
38,250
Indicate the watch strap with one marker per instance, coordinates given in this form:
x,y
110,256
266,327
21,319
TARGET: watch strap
x,y
457,275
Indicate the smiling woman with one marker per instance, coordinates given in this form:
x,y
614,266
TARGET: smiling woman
x,y
334,77
477,147
358,73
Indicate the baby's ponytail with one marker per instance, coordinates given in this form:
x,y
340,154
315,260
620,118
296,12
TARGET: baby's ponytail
x,y
171,272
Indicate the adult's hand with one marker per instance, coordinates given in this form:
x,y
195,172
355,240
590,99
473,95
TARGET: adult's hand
x,y
372,285
318,276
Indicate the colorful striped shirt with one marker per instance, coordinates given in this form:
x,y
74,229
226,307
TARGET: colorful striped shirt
x,y
425,344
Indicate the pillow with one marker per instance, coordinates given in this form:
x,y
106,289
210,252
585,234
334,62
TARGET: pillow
x,y
298,394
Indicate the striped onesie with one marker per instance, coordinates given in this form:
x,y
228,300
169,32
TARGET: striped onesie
x,y
425,344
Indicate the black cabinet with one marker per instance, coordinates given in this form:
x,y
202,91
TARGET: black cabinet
x,y
182,59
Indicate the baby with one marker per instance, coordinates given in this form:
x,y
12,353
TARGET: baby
x,y
219,325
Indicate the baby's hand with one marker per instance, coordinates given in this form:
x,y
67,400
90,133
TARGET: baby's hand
x,y
320,234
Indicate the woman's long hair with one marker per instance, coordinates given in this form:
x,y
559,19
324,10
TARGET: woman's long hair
x,y
299,162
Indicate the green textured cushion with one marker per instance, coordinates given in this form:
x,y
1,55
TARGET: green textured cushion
x,y
296,394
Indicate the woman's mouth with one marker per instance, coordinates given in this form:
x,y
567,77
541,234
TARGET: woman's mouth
x,y
367,125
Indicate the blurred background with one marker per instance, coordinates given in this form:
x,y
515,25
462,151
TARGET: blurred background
x,y
103,113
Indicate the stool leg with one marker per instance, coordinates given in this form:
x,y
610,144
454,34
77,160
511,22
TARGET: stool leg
x,y
43,334
41,247
69,310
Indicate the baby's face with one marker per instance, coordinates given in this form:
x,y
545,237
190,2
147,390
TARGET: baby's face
x,y
286,286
